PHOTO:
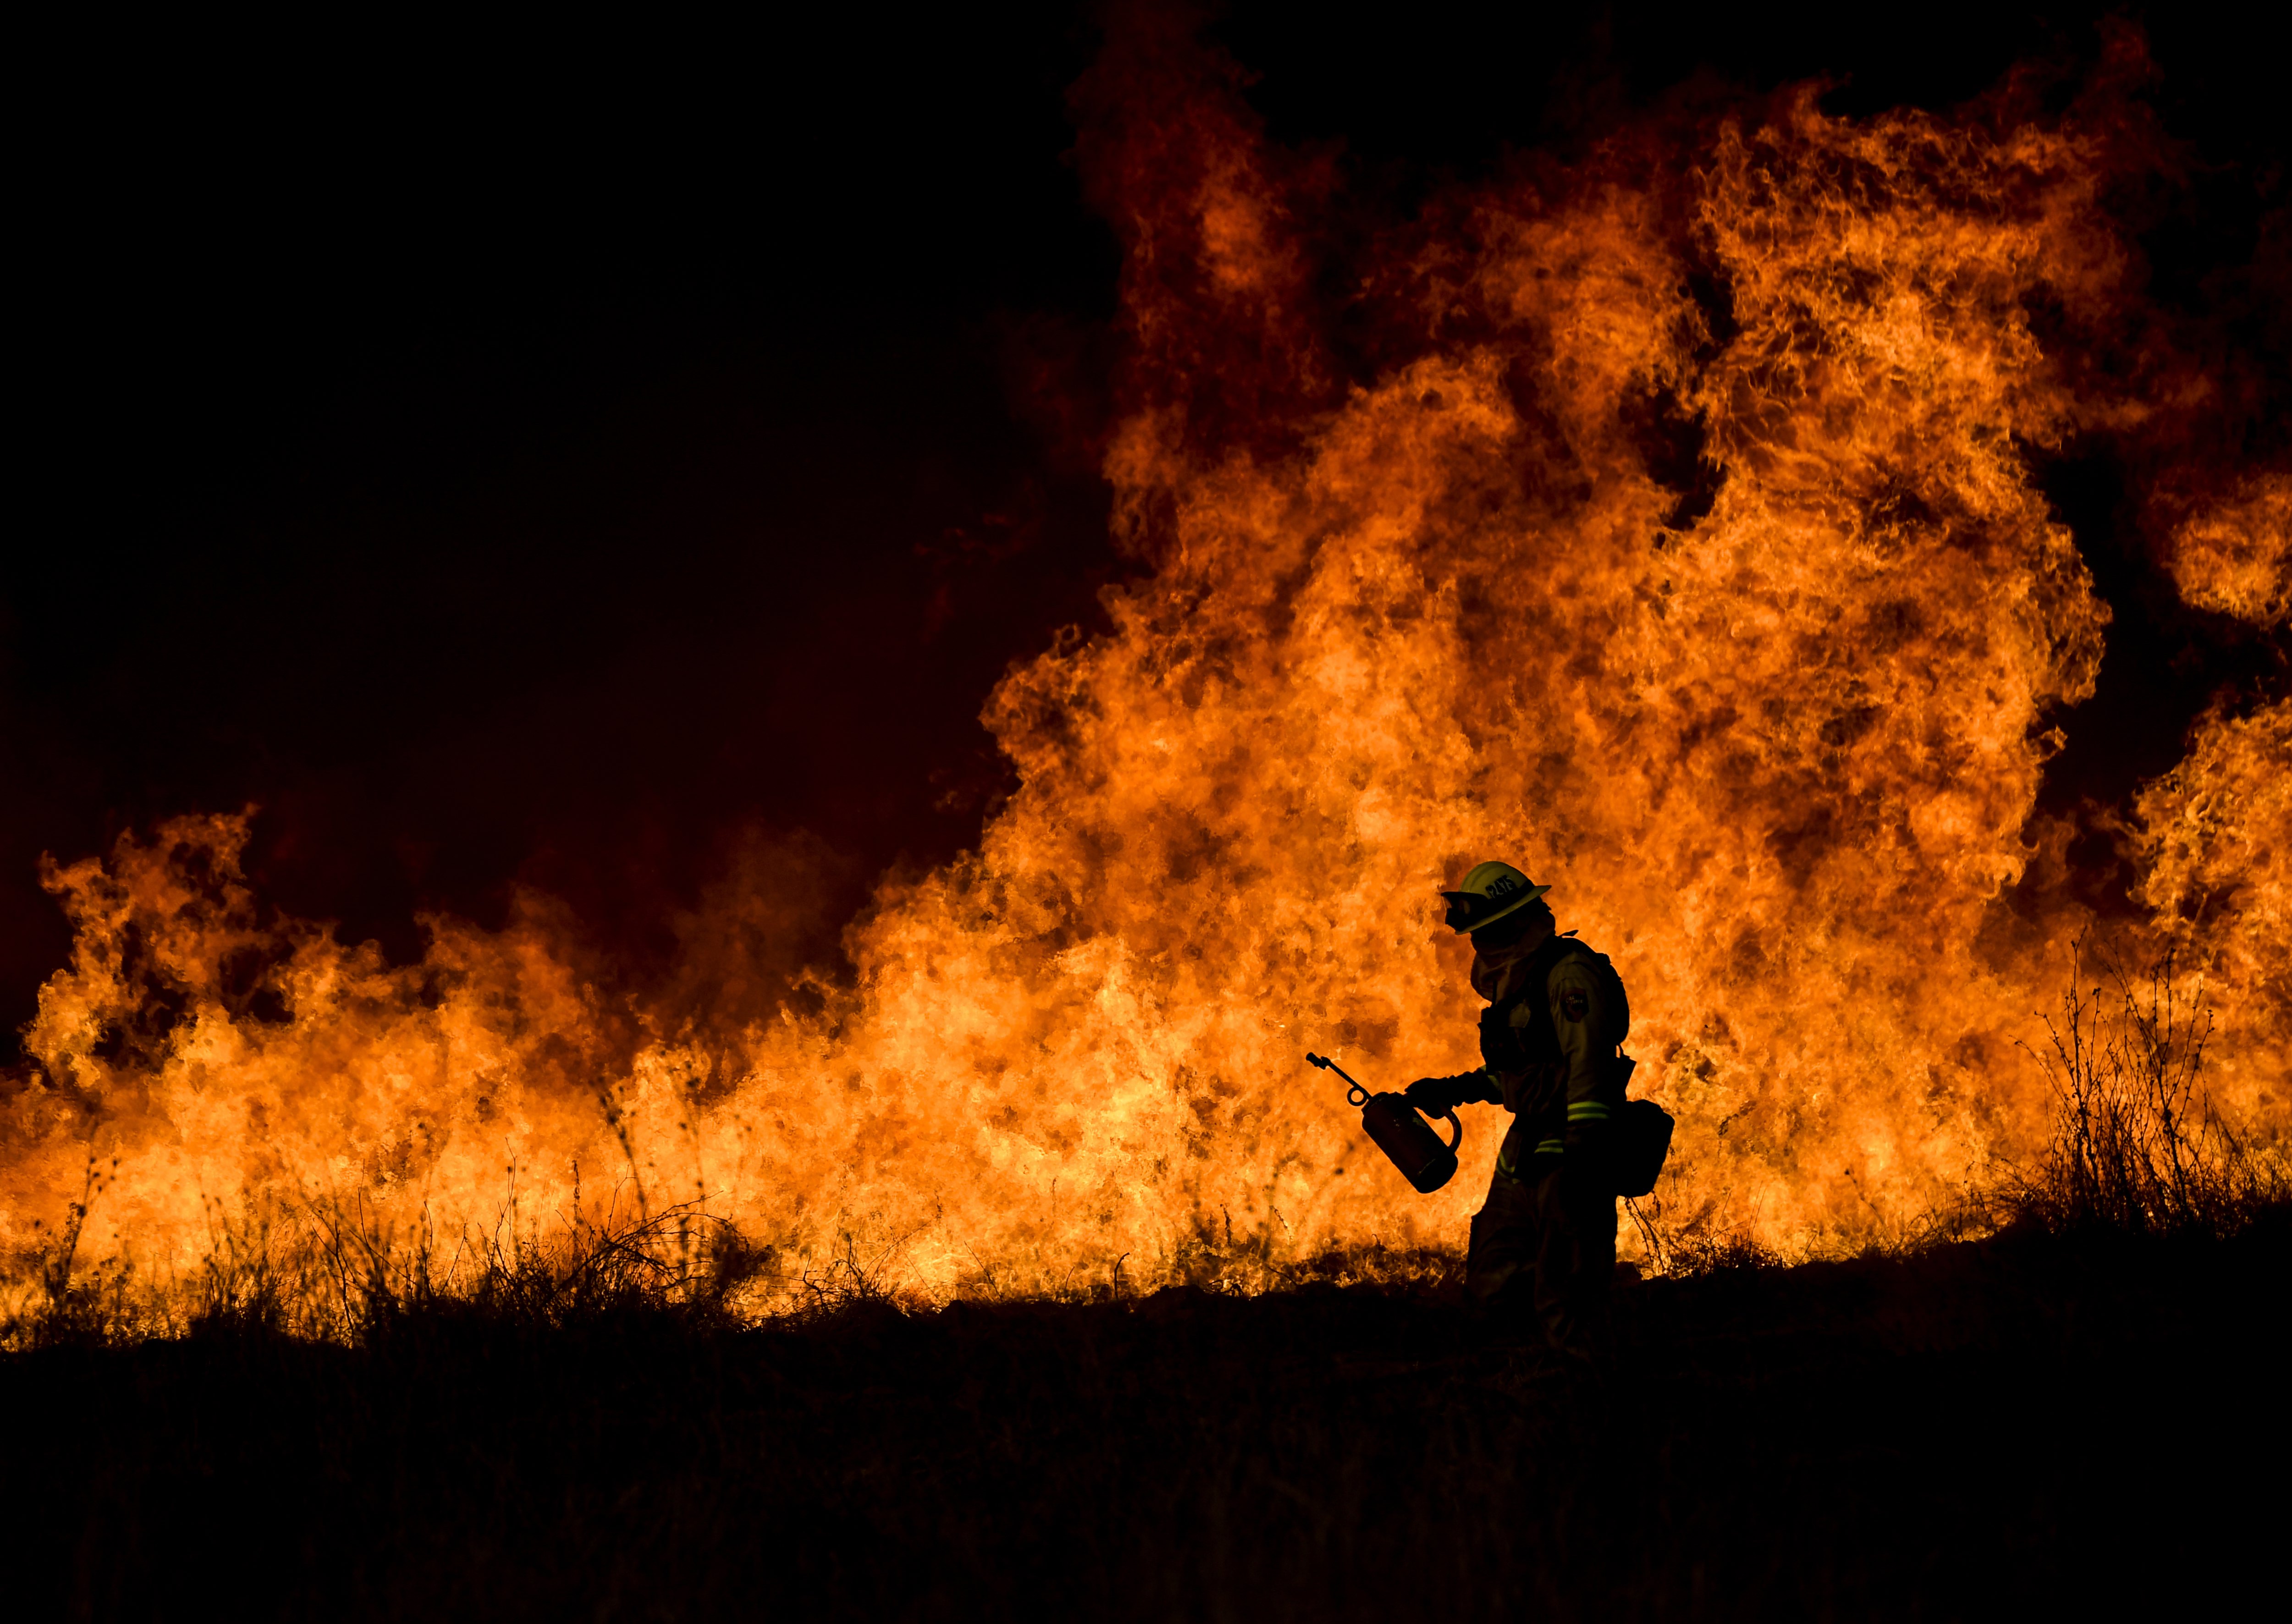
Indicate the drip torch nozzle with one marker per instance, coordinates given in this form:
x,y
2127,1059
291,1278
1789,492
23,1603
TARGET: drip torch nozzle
x,y
1355,1094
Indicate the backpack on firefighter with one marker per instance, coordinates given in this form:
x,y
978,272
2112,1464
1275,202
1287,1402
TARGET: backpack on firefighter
x,y
1643,1128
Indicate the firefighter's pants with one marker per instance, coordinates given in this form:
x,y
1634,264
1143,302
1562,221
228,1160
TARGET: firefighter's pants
x,y
1548,1243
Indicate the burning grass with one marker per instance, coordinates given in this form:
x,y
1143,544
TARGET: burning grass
x,y
2137,1146
653,1415
328,1271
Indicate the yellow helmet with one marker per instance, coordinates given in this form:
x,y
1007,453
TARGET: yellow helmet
x,y
1489,893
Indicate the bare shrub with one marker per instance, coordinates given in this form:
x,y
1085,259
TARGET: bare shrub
x,y
2137,1143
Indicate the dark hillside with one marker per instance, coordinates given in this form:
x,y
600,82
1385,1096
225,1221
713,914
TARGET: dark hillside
x,y
2018,1426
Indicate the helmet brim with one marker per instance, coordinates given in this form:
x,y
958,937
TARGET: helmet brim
x,y
1512,907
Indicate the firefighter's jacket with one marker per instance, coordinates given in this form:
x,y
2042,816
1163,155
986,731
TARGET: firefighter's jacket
x,y
1557,1015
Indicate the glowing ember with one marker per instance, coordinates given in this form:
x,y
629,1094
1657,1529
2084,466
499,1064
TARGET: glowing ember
x,y
1679,544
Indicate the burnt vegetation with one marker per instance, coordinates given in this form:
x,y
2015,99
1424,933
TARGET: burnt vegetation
x,y
1954,1426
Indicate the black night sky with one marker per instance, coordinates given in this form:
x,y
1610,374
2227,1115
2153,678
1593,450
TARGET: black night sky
x,y
553,456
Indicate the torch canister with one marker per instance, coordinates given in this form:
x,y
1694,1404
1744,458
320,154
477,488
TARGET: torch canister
x,y
1406,1138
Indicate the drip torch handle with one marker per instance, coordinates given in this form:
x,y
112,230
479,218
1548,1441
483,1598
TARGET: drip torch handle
x,y
1355,1094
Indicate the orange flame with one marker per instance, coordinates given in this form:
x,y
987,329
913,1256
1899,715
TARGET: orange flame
x,y
2237,558
1667,526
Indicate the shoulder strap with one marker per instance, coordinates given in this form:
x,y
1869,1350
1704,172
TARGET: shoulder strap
x,y
1541,1039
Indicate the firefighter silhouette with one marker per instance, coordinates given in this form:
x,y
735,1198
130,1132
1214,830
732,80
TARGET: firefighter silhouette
x,y
1544,1241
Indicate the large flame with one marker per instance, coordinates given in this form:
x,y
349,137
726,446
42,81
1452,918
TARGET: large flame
x,y
1665,525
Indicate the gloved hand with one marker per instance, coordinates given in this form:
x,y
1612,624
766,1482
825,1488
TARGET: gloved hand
x,y
1435,1096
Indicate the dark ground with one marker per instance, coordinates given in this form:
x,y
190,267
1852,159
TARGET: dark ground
x,y
2024,1425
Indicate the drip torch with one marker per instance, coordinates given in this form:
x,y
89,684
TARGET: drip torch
x,y
1403,1136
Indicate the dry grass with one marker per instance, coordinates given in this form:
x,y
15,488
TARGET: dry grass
x,y
326,1271
329,1272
